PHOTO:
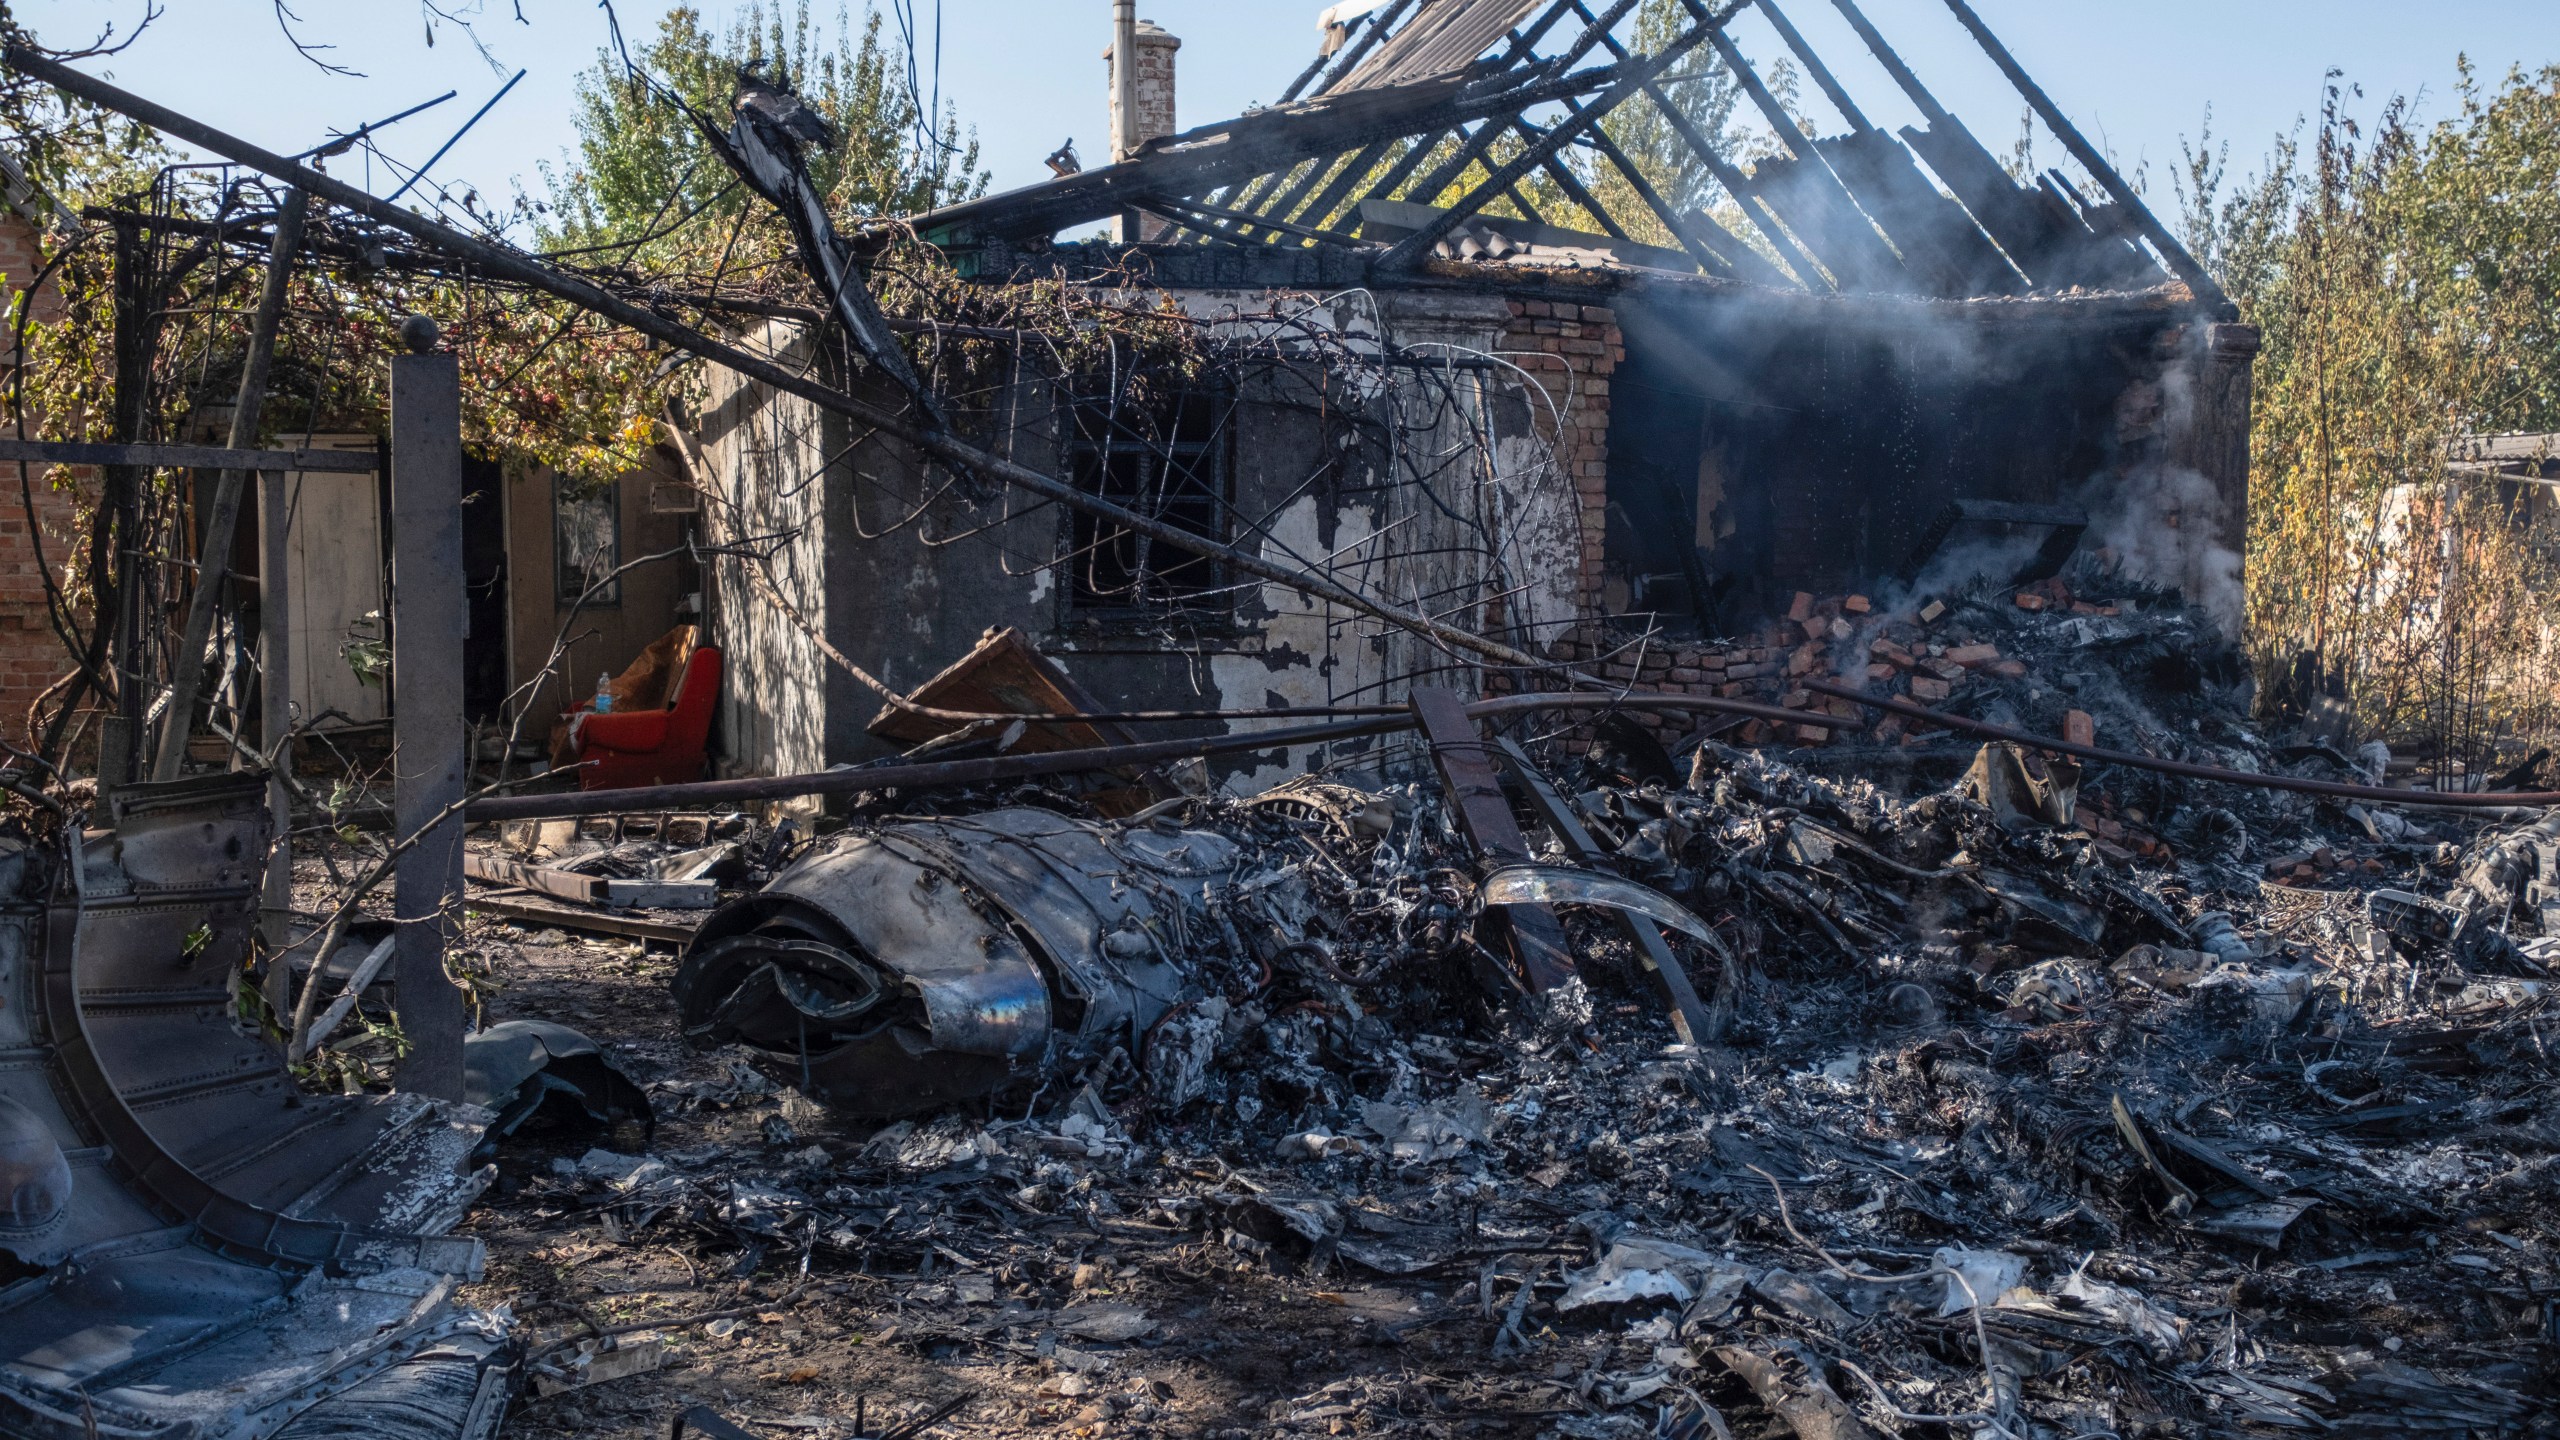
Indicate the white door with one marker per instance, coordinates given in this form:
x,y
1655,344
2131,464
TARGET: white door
x,y
335,584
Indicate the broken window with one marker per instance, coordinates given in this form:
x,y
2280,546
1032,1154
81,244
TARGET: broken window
x,y
1161,453
586,541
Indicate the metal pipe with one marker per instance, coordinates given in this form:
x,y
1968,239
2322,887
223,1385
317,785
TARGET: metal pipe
x,y
1506,705
2333,789
421,172
646,799
1124,79
984,769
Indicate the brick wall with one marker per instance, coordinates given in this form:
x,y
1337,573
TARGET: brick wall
x,y
32,658
1571,351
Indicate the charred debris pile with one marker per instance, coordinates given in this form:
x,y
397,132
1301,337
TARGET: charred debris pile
x,y
2029,1098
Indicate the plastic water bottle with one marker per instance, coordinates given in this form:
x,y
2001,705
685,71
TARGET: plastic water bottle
x,y
604,694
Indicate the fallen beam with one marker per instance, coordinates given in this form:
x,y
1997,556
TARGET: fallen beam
x,y
1465,763
537,912
594,889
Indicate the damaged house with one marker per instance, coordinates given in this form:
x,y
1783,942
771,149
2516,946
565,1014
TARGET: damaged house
x,y
2176,1076
1622,431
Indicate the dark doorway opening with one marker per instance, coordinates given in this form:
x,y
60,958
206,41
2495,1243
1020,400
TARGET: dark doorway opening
x,y
484,588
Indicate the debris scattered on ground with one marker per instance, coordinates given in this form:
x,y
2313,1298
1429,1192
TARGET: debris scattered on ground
x,y
2029,1105
534,1072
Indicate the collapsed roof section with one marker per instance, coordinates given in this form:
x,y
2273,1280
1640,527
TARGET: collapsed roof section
x,y
1429,112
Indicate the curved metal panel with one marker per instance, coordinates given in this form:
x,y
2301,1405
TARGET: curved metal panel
x,y
131,993
1011,939
117,953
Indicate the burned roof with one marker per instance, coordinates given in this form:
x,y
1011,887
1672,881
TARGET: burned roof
x,y
1427,129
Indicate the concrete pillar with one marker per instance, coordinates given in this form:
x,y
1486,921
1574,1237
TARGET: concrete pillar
x,y
428,616
1155,111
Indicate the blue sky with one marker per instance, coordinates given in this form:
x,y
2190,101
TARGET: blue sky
x,y
1029,73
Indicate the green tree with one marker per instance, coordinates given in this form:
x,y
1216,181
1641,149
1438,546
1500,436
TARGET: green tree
x,y
2407,281
643,183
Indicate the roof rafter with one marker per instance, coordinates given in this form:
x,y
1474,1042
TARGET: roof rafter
x,y
1446,107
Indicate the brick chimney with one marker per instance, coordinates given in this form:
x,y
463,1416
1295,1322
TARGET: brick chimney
x,y
1153,115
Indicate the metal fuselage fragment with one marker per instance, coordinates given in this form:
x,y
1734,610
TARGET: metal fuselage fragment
x,y
231,1256
936,960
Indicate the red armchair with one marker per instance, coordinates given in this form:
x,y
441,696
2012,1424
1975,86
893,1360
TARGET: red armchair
x,y
651,747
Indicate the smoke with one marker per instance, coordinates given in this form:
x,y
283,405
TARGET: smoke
x,y
2163,525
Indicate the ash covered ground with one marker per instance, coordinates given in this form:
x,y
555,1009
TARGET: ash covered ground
x,y
2033,1104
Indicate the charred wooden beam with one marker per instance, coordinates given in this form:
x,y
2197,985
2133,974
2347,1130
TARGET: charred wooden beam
x,y
1636,75
2186,265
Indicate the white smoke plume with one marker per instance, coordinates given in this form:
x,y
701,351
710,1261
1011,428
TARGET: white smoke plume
x,y
2163,525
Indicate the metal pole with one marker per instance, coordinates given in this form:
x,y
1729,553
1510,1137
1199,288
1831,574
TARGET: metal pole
x,y
213,563
1124,102
119,601
427,622
1124,78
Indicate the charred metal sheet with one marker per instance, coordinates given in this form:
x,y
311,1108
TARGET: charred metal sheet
x,y
1465,763
217,1252
522,1070
936,960
1568,885
1443,36
1689,1015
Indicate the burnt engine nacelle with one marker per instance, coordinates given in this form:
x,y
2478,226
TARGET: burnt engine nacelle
x,y
933,961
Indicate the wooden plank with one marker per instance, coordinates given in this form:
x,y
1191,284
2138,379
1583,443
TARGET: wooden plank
x,y
1007,675
187,457
599,922
1475,792
559,884
593,889
334,546
1688,1013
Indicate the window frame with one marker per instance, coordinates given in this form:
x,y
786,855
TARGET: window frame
x,y
566,492
1092,435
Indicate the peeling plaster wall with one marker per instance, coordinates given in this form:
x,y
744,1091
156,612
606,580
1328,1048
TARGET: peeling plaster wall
x,y
766,455
910,569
